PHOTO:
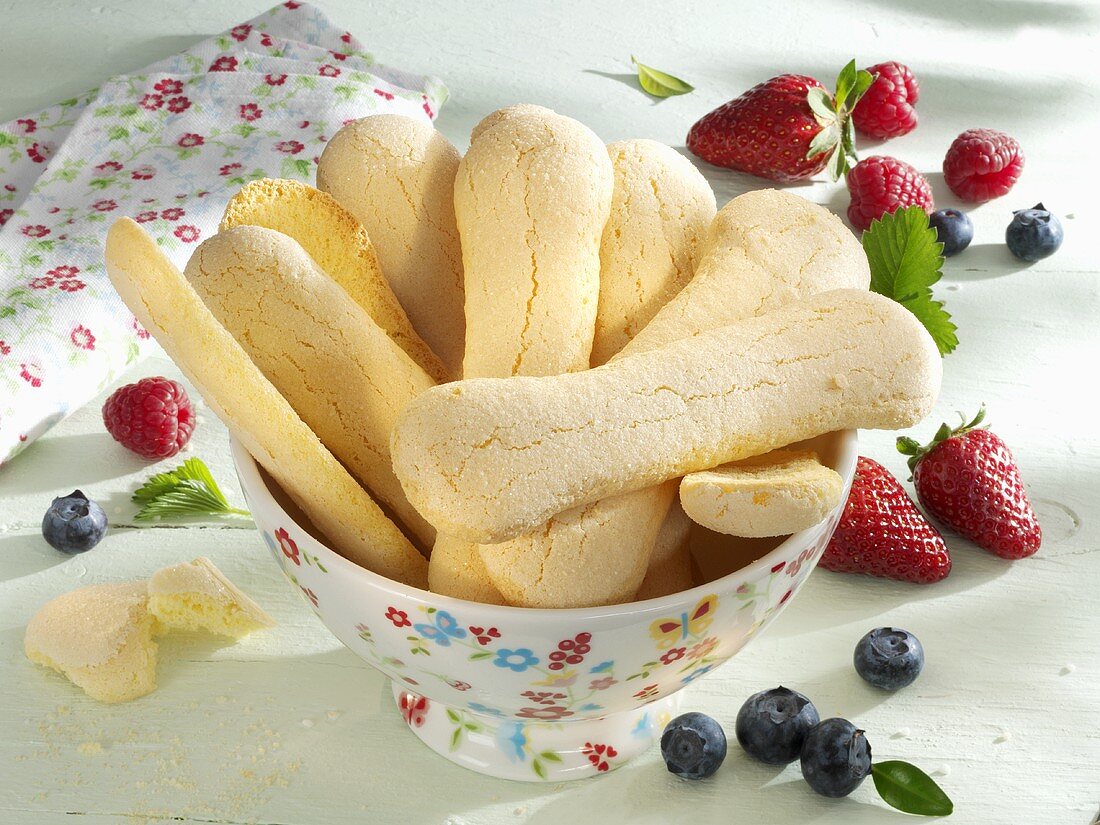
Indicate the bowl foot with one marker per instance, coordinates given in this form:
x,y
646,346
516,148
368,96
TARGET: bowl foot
x,y
534,750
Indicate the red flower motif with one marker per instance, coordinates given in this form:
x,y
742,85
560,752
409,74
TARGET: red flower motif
x,y
140,331
414,708
547,713
169,86
229,169
346,37
187,233
290,4
457,684
144,173
542,697
41,283
172,213
274,79
26,126
399,617
266,41
648,692
179,104
5,215
82,337
570,651
145,217
778,567
190,140
310,595
109,167
225,63
35,231
673,655
64,271
40,152
304,124
289,147
338,55
602,683
4,348
30,374
152,102
383,94
240,33
599,755
71,285
484,635
328,70
704,648
250,112
288,545
105,205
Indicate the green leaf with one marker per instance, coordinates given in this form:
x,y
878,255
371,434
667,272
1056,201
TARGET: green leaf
x,y
188,490
908,788
658,83
539,770
485,654
550,756
452,715
243,129
823,141
864,79
844,83
456,737
6,139
128,110
117,133
905,260
821,105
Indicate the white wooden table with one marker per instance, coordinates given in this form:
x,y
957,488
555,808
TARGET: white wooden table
x,y
288,727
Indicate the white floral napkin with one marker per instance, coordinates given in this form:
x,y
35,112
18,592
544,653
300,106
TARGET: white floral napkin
x,y
166,147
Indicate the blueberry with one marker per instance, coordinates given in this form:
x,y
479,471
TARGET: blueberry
x,y
889,658
953,229
836,757
1034,233
772,724
74,524
693,746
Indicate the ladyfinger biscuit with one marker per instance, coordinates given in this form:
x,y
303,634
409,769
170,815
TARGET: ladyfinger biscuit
x,y
456,569
332,236
235,388
661,210
772,494
338,369
669,568
532,196
396,174
488,459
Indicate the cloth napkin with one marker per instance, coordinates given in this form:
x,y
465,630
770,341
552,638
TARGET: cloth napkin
x,y
167,147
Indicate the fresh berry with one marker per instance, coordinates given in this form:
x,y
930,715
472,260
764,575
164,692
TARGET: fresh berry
x,y
74,523
771,130
881,185
153,417
886,109
982,164
882,533
693,746
1034,233
772,725
836,757
953,229
967,478
889,658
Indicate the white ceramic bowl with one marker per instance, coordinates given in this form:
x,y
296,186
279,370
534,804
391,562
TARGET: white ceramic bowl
x,y
530,694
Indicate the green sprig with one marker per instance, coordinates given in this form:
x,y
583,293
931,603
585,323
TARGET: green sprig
x,y
188,490
658,83
909,789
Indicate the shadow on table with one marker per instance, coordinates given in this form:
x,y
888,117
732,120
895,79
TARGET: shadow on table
x,y
35,470
998,15
26,553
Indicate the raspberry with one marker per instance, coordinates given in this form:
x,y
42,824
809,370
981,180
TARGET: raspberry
x,y
982,164
886,109
153,417
880,184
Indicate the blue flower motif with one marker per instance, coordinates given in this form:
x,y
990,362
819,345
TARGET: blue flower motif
x,y
602,666
590,706
695,674
518,660
641,729
444,627
485,710
512,740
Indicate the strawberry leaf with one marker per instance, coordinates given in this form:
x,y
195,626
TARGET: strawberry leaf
x,y
823,141
658,83
821,105
909,789
845,81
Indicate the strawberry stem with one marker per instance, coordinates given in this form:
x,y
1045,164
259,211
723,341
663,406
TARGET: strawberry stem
x,y
837,136
916,451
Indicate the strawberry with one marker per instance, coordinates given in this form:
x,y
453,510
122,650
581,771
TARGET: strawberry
x,y
967,478
882,533
785,129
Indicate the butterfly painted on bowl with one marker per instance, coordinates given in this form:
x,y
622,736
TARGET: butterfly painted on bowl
x,y
443,628
695,622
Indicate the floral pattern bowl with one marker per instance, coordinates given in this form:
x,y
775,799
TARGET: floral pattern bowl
x,y
542,695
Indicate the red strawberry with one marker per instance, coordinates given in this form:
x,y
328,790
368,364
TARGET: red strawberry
x,y
785,129
968,479
886,110
881,184
882,533
982,164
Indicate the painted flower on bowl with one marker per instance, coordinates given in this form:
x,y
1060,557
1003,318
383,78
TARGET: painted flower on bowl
x,y
547,713
518,660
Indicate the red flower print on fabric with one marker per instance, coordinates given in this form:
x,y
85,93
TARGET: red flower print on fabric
x,y
35,231
383,94
178,104
250,112
570,651
428,109
151,102
187,233
41,283
266,41
140,331
648,692
290,4
546,713
105,205
172,213
288,545
143,173
399,617
289,147
145,217
169,86
274,79
109,167
64,271
229,169
30,373
599,755
346,37
338,55
5,215
82,337
190,141
225,63
26,126
40,152
240,33
484,635
71,285
414,708
4,348
328,70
